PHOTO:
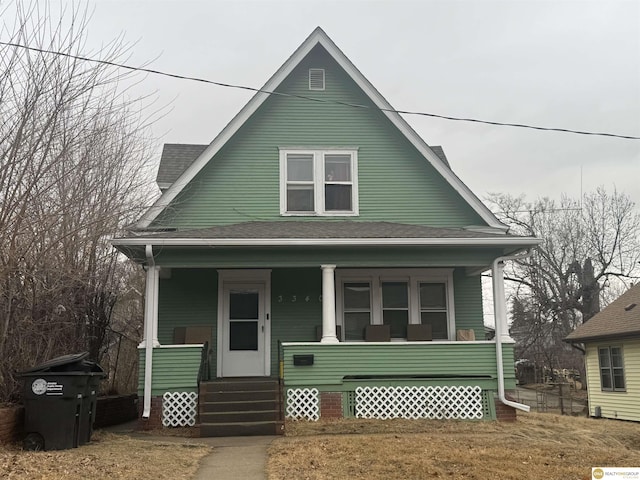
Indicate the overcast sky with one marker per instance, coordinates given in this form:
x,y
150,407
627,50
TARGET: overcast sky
x,y
567,64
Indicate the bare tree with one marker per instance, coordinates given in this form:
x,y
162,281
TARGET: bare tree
x,y
588,247
73,171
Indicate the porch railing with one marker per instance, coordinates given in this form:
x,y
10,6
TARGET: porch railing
x,y
203,370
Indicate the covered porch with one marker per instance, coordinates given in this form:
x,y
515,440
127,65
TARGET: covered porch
x,y
301,313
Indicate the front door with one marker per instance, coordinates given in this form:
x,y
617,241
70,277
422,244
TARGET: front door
x,y
243,330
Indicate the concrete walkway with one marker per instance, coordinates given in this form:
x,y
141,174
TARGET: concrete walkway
x,y
235,458
232,458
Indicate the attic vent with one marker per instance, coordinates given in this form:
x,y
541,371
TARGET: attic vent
x,y
316,79
630,307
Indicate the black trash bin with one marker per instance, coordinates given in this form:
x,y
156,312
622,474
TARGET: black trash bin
x,y
60,402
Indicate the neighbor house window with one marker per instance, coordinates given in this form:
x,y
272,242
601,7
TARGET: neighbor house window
x,y
395,297
318,182
611,369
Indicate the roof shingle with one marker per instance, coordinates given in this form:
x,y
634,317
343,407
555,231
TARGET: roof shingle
x,y
175,159
618,319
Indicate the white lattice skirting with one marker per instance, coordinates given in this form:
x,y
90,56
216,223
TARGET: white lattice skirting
x,y
179,409
303,404
419,402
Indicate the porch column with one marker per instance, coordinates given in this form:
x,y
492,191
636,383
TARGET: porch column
x,y
328,304
151,307
499,303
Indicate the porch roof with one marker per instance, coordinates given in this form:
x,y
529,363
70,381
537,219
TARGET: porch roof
x,y
295,232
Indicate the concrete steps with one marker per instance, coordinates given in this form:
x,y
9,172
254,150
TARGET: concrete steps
x,y
240,406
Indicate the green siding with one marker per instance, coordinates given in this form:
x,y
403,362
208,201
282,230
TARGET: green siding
x,y
468,302
241,183
175,369
454,361
294,319
188,298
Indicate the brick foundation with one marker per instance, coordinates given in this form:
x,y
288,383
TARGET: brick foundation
x,y
331,405
505,413
155,416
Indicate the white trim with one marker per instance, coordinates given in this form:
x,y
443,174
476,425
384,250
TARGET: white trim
x,y
318,36
393,344
319,181
286,242
412,276
255,276
176,345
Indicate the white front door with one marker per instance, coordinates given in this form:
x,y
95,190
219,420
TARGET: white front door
x,y
243,330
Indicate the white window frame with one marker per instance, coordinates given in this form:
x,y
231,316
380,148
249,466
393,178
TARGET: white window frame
x,y
319,181
611,369
413,276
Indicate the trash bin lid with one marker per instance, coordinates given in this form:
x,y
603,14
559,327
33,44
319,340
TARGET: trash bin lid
x,y
58,362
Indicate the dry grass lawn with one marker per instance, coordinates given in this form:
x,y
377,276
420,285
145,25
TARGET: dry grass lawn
x,y
536,446
108,456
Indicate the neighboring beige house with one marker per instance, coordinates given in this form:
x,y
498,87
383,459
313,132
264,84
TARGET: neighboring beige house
x,y
612,343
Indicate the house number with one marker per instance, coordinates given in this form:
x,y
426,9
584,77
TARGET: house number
x,y
294,298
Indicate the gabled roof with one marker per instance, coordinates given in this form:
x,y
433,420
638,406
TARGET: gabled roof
x,y
318,37
619,319
175,159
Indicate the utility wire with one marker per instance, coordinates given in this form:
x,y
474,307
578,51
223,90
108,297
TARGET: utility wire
x,y
319,100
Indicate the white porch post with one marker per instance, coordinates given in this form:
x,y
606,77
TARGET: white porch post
x,y
328,304
151,307
500,304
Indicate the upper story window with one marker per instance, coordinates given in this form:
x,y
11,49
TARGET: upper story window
x,y
318,182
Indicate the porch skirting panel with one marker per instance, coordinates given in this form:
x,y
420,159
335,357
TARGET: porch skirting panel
x,y
461,402
179,409
439,402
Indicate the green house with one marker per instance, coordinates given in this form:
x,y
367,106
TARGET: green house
x,y
320,250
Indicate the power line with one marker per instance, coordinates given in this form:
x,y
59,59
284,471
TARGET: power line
x,y
319,100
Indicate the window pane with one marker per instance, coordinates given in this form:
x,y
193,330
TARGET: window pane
x,y
603,353
337,197
357,296
337,168
438,322
432,295
354,325
395,295
243,335
605,378
300,167
300,198
243,304
618,380
398,319
616,357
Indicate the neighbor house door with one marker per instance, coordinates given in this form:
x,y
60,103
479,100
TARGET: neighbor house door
x,y
244,333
